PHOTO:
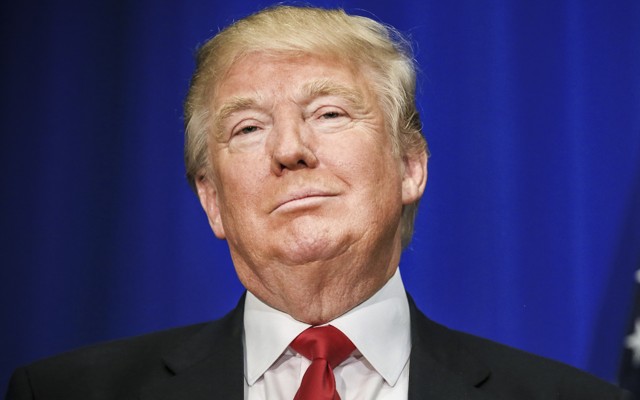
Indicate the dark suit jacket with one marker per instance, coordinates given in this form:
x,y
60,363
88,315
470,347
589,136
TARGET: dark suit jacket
x,y
205,362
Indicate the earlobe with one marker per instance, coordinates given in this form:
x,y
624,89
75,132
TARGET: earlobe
x,y
414,177
208,195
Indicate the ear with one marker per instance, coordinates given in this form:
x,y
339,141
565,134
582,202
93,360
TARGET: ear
x,y
208,195
414,177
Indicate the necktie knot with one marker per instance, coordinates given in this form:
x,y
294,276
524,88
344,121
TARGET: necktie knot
x,y
325,342
326,347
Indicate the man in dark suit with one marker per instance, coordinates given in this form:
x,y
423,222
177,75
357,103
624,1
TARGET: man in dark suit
x,y
304,146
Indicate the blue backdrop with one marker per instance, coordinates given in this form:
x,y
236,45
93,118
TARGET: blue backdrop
x,y
529,231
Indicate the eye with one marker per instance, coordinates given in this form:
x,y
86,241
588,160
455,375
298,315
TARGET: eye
x,y
330,118
247,130
331,115
244,130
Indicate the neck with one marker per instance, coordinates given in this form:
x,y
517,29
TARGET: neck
x,y
320,291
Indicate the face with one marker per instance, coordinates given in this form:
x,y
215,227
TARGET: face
x,y
303,184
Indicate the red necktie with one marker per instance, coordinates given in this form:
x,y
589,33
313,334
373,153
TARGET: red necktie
x,y
326,347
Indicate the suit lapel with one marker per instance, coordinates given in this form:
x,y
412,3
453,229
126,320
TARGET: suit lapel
x,y
440,367
210,365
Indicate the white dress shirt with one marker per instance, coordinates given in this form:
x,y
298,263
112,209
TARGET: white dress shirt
x,y
377,369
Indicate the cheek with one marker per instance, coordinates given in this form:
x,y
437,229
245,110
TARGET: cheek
x,y
370,168
243,187
374,157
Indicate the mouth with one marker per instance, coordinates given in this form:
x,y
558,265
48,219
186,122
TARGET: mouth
x,y
303,199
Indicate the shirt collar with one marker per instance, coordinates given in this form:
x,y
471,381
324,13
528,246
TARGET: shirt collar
x,y
268,332
387,314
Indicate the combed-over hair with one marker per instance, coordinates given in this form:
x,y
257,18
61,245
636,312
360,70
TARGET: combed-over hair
x,y
365,43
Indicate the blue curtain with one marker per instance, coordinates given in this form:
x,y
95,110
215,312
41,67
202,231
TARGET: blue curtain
x,y
529,231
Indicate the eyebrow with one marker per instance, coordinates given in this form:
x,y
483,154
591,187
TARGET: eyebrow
x,y
327,87
229,107
233,105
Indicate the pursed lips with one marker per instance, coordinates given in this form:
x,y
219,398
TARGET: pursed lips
x,y
302,195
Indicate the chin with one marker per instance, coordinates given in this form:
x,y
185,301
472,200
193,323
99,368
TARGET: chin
x,y
305,249
307,254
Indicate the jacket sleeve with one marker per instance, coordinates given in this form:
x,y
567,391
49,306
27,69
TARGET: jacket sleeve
x,y
19,386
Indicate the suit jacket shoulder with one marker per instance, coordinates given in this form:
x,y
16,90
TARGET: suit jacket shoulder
x,y
160,365
447,364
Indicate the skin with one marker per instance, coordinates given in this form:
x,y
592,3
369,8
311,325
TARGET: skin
x,y
303,184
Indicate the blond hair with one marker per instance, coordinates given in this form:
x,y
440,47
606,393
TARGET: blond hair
x,y
307,30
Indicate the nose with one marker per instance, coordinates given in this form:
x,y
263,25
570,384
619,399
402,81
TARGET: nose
x,y
290,149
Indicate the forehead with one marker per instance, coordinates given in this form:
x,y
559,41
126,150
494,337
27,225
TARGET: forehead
x,y
258,75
